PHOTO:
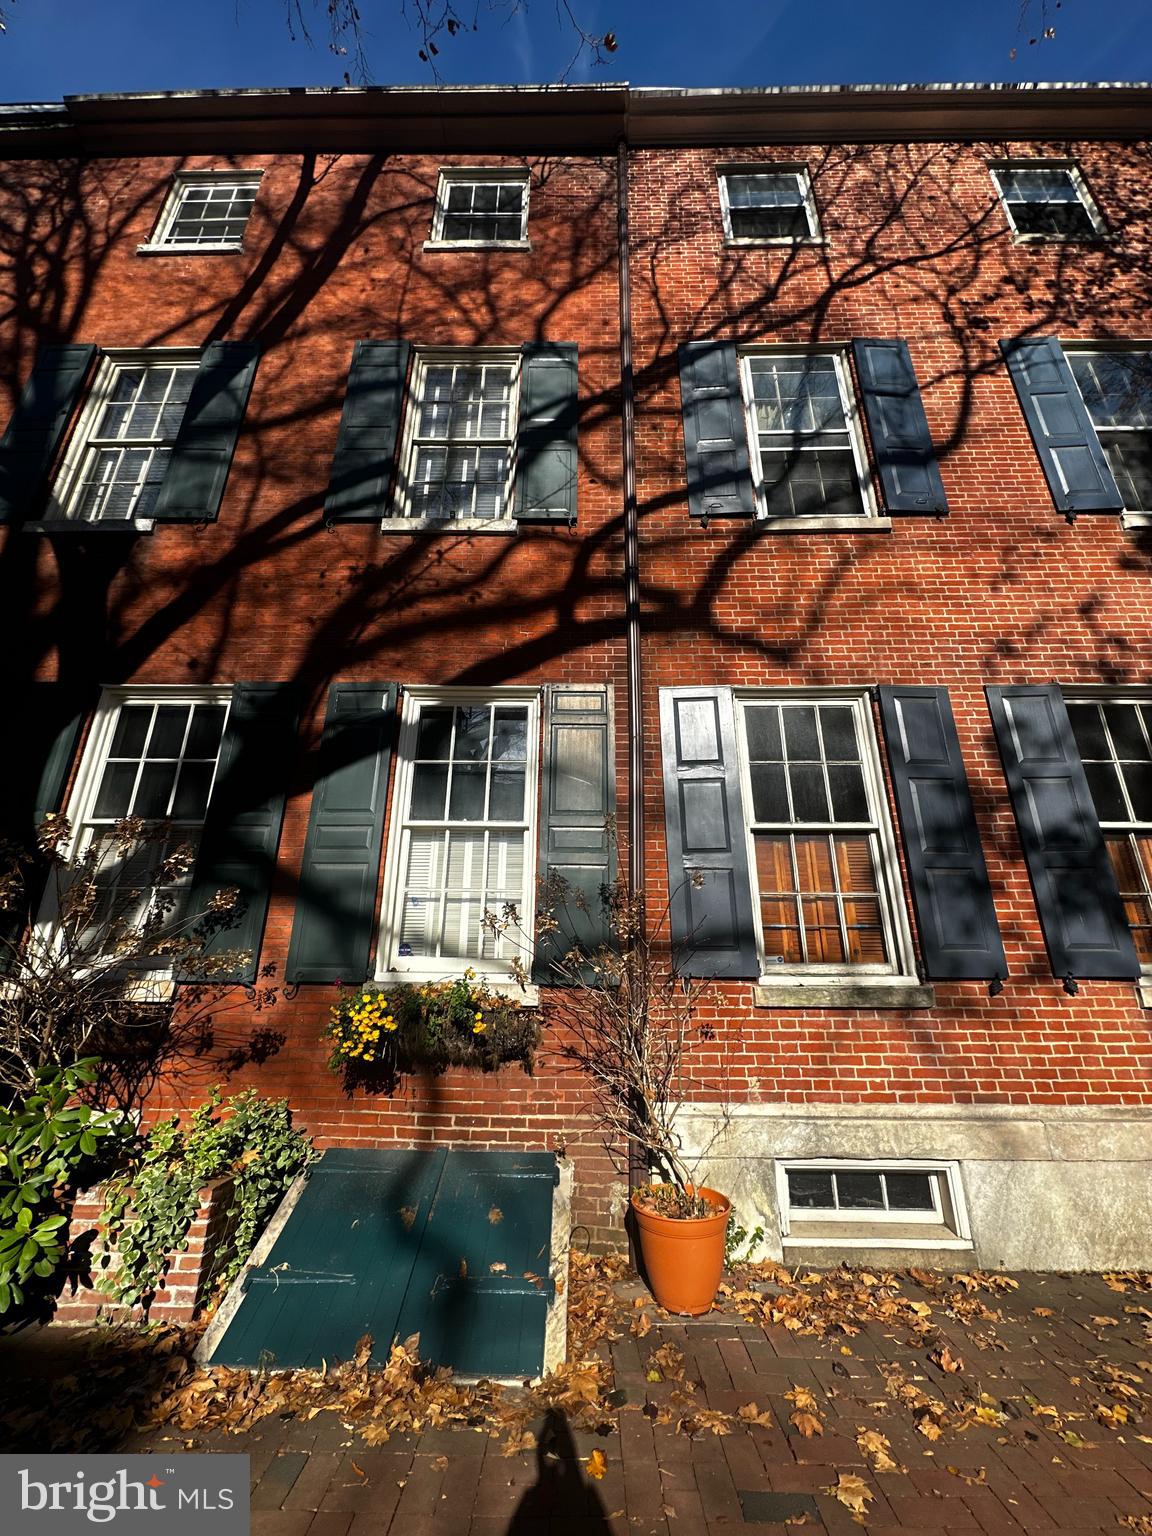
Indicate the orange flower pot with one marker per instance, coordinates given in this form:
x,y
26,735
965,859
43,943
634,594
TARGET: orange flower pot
x,y
684,1260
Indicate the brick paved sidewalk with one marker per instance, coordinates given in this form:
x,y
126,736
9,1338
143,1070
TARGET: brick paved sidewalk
x,y
1043,1463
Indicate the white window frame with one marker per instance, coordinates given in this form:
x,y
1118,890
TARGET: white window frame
x,y
951,1216
1131,517
86,785
67,483
478,175
868,519
893,909
161,242
391,966
403,520
1100,229
814,236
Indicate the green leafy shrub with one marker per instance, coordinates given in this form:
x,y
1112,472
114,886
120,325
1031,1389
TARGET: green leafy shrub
x,y
376,1034
50,1146
151,1204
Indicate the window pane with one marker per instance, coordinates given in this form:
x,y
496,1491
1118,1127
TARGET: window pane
x,y
849,797
769,223
510,735
810,1190
434,739
1138,781
191,800
131,730
838,727
763,728
154,790
909,1191
769,792
1125,728
1088,729
469,782
507,795
814,862
774,864
811,483
859,1191
1130,459
809,793
1106,793
114,799
206,731
800,734
429,788
1132,861
168,730
855,865
822,932
471,733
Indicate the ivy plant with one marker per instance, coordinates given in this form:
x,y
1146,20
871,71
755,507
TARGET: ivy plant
x,y
51,1145
151,1204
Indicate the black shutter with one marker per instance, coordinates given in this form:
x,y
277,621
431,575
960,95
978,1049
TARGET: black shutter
x,y
712,920
202,454
715,433
33,435
578,802
363,468
1075,888
898,427
546,459
955,913
242,830
336,898
1073,461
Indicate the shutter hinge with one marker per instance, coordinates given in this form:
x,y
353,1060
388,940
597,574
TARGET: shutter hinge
x,y
996,985
1070,985
1070,519
704,521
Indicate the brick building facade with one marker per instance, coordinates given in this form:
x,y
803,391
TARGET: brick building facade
x,y
366,349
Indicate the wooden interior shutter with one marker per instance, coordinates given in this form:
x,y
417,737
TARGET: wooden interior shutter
x,y
1081,913
198,469
336,897
715,434
242,830
901,442
577,850
1074,463
364,466
546,441
712,920
34,433
955,913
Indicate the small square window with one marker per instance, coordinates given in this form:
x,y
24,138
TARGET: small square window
x,y
481,208
206,212
871,1203
1048,202
119,453
1117,388
773,205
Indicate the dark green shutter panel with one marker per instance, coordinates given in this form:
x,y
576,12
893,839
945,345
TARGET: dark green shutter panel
x,y
197,471
1080,908
955,913
242,830
29,444
365,462
708,880
898,427
715,432
546,459
578,798
1073,461
336,898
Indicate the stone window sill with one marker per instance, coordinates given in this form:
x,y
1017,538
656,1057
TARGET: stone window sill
x,y
477,245
824,524
449,525
231,249
54,525
863,1234
527,997
750,242
1144,991
1136,519
842,992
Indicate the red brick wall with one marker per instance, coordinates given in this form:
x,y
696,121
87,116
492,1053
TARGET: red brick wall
x,y
1003,591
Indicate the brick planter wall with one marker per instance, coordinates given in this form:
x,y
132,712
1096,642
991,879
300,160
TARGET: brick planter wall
x,y
189,1274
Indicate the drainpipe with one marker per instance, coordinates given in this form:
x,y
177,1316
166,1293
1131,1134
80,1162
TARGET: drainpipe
x,y
637,1170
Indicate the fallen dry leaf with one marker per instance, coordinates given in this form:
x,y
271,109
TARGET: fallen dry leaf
x,y
971,1478
946,1360
807,1423
495,1215
1106,1322
597,1464
876,1447
852,1491
1043,1312
750,1414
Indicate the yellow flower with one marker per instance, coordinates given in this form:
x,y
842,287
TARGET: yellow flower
x,y
479,1027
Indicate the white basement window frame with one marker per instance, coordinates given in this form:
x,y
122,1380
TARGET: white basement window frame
x,y
228,195
463,194
944,1225
746,190
1020,185
497,966
125,450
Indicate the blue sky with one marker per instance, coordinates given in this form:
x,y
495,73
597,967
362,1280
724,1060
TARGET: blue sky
x,y
57,47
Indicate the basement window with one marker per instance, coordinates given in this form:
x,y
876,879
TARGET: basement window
x,y
872,1203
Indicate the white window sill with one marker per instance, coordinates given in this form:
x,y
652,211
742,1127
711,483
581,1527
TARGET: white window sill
x,y
1144,991
170,248
158,988
743,242
1136,519
842,992
527,996
449,525
82,525
861,524
477,245
1099,238
862,1234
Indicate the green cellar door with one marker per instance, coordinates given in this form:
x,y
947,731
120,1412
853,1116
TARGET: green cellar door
x,y
454,1245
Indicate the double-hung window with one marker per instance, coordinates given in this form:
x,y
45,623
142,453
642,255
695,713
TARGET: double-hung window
x,y
206,211
822,855
481,208
152,754
805,437
1114,737
461,430
1117,390
1048,202
463,833
773,206
120,451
